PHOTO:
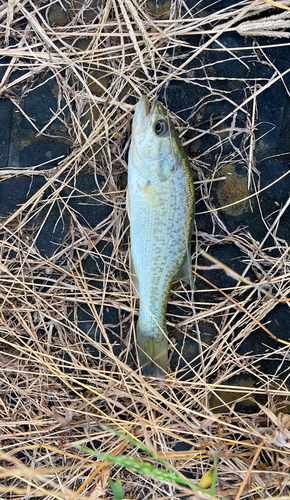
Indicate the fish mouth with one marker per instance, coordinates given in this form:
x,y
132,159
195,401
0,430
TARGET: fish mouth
x,y
142,110
157,111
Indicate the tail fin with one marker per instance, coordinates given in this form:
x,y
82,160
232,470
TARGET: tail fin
x,y
153,354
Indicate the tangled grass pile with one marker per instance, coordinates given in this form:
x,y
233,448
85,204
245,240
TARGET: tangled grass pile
x,y
69,379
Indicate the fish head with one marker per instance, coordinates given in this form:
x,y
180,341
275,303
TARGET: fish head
x,y
155,144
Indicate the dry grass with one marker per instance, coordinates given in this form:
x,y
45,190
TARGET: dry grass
x,y
56,392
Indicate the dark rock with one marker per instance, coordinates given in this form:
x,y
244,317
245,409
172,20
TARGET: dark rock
x,y
4,62
270,171
26,148
37,152
57,16
15,191
90,205
5,124
186,358
160,9
222,401
41,102
229,64
88,324
268,354
271,115
229,255
182,446
207,6
53,232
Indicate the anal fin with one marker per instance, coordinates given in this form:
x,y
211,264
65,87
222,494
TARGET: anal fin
x,y
134,276
185,272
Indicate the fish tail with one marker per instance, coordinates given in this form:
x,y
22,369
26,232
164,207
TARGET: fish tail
x,y
153,354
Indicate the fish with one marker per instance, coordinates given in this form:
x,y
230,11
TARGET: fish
x,y
160,206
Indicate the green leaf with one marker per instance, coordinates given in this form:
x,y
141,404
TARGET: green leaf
x,y
144,468
135,442
206,480
209,479
117,489
147,469
214,476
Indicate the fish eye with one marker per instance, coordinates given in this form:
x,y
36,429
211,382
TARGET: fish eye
x,y
160,127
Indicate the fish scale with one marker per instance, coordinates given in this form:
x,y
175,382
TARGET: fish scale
x,y
161,209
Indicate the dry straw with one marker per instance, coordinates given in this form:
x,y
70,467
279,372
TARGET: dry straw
x,y
55,392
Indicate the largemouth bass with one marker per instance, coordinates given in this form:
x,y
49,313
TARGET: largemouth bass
x,y
160,205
